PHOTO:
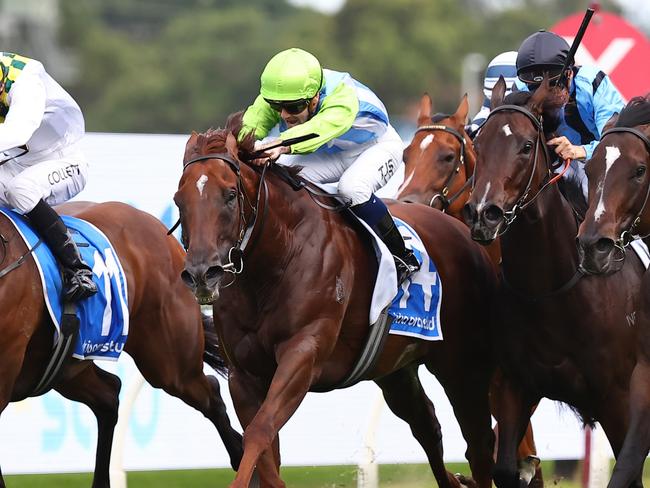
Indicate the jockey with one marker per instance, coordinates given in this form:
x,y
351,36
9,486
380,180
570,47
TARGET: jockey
x,y
356,145
504,65
40,164
586,102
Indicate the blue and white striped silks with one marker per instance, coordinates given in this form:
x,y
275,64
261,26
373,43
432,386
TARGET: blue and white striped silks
x,y
104,317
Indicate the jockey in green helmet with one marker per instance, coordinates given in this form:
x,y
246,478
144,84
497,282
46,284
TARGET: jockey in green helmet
x,y
356,147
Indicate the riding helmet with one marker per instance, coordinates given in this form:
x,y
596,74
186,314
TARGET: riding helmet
x,y
541,51
291,75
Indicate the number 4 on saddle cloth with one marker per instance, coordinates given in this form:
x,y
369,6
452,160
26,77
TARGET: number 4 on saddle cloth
x,y
415,309
104,317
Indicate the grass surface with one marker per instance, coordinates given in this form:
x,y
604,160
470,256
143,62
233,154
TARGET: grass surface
x,y
390,476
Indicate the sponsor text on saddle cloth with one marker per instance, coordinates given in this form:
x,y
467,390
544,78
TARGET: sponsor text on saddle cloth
x,y
415,310
104,317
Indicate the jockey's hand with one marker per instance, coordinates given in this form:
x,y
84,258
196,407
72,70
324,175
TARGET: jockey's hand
x,y
271,154
566,150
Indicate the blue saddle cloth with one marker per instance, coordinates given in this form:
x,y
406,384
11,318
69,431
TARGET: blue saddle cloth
x,y
415,310
104,317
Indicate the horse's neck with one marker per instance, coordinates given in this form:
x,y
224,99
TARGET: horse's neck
x,y
539,251
275,238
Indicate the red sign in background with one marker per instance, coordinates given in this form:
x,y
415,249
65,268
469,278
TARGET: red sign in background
x,y
615,46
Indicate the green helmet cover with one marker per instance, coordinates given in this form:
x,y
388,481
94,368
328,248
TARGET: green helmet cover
x,y
292,74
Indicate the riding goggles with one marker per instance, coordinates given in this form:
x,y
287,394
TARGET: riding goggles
x,y
293,107
534,79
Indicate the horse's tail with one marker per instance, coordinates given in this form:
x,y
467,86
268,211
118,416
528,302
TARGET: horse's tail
x,y
212,353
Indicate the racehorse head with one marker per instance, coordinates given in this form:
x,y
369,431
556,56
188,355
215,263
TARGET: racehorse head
x,y
619,184
439,159
210,199
512,161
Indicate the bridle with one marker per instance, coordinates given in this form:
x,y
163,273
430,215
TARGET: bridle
x,y
441,195
627,235
521,203
235,264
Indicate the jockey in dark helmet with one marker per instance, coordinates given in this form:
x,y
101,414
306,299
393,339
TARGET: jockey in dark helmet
x,y
41,164
584,102
356,145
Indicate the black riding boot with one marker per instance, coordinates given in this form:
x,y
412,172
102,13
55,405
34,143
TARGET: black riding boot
x,y
375,213
405,261
77,276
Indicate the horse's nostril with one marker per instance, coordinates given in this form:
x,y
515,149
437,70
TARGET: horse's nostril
x,y
469,213
604,245
188,278
493,213
213,273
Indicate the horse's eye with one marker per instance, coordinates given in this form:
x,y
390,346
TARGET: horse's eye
x,y
528,146
449,158
640,171
231,195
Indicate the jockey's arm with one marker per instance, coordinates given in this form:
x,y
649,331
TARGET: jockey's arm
x,y
26,110
259,118
607,101
333,119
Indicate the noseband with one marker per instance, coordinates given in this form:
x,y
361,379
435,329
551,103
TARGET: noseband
x,y
521,203
627,236
235,263
442,194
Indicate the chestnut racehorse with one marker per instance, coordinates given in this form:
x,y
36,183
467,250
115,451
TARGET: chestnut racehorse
x,y
291,285
166,337
563,335
619,183
438,167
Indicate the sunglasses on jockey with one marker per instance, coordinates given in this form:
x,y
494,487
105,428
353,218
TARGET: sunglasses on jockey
x,y
293,107
533,79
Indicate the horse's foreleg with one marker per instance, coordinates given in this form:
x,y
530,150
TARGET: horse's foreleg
x,y
293,377
513,418
629,462
407,399
470,401
526,452
99,390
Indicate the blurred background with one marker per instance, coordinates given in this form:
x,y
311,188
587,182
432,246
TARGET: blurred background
x,y
172,66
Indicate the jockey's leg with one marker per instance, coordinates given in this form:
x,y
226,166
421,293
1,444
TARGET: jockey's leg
x,y
375,213
77,276
40,184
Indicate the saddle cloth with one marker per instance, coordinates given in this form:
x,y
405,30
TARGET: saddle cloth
x,y
415,308
104,317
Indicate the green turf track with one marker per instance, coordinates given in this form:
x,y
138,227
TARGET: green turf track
x,y
391,476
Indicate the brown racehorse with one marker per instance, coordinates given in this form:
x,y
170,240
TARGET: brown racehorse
x,y
563,335
296,318
166,337
619,183
438,166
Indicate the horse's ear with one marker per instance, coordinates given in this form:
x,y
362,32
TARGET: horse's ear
x,y
426,107
498,93
231,145
460,116
536,101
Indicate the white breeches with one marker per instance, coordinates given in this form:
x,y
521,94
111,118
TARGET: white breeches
x,y
55,178
359,174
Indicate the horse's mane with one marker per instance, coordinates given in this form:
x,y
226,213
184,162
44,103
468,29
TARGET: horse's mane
x,y
439,117
636,112
214,140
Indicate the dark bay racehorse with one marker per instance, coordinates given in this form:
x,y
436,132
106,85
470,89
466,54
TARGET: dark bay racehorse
x,y
562,335
619,183
166,337
296,317
439,163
